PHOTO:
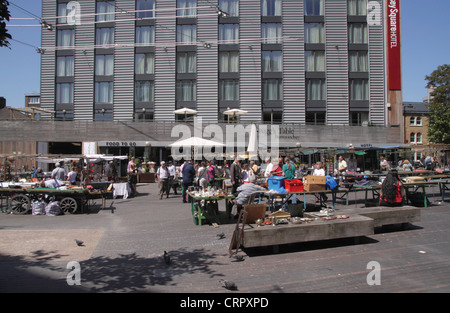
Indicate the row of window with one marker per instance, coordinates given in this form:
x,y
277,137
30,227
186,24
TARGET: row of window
x,y
271,62
188,8
271,33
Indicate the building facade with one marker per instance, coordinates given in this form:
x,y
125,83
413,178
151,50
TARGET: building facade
x,y
309,62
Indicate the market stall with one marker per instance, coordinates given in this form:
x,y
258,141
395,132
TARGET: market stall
x,y
70,200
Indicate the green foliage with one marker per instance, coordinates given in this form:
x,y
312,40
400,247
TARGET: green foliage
x,y
4,16
439,128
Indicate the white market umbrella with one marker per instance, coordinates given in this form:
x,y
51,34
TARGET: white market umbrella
x,y
196,142
234,112
185,111
253,140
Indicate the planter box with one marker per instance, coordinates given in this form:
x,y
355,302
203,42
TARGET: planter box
x,y
146,178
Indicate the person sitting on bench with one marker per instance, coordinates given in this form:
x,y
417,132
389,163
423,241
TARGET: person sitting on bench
x,y
392,191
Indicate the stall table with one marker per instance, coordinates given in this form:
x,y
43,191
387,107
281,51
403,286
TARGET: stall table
x,y
70,199
199,211
121,189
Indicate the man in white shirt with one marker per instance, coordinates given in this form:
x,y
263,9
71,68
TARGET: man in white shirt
x,y
269,167
163,180
172,177
342,167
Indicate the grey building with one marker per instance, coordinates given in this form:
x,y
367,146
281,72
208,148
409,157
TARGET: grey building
x,y
308,62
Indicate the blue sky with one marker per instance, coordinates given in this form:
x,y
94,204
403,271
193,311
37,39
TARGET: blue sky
x,y
425,46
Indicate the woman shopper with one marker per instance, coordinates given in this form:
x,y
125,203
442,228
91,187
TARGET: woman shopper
x,y
392,191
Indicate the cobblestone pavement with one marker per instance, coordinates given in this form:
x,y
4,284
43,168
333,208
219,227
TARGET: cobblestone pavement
x,y
125,241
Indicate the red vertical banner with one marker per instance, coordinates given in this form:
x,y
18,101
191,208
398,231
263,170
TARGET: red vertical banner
x,y
393,45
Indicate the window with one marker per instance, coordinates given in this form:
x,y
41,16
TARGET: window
x,y
144,91
186,62
358,61
228,33
104,92
62,13
140,115
186,8
415,121
415,138
315,61
314,33
105,11
419,138
66,38
315,89
229,62
271,32
275,117
64,66
357,7
64,93
103,115
145,35
357,33
186,90
271,61
315,118
104,36
358,118
145,8
270,7
314,7
187,34
144,63
359,89
231,7
104,65
229,90
272,89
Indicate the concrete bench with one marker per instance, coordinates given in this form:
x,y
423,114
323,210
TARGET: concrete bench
x,y
387,215
361,222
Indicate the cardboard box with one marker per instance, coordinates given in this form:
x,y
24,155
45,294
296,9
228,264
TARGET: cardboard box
x,y
255,211
315,183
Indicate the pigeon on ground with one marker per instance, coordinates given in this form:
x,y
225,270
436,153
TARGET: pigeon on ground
x,y
228,284
79,242
166,258
221,235
237,257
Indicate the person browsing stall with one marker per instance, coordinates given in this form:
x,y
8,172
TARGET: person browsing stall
x,y
392,190
163,180
288,169
188,173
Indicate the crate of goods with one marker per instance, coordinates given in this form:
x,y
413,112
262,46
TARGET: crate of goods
x,y
314,183
293,185
276,182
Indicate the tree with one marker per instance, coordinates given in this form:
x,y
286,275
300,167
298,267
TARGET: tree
x,y
4,15
439,128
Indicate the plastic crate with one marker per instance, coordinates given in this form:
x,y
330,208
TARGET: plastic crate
x,y
293,185
276,182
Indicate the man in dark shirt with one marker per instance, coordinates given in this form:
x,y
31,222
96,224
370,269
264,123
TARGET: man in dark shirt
x,y
188,178
235,174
